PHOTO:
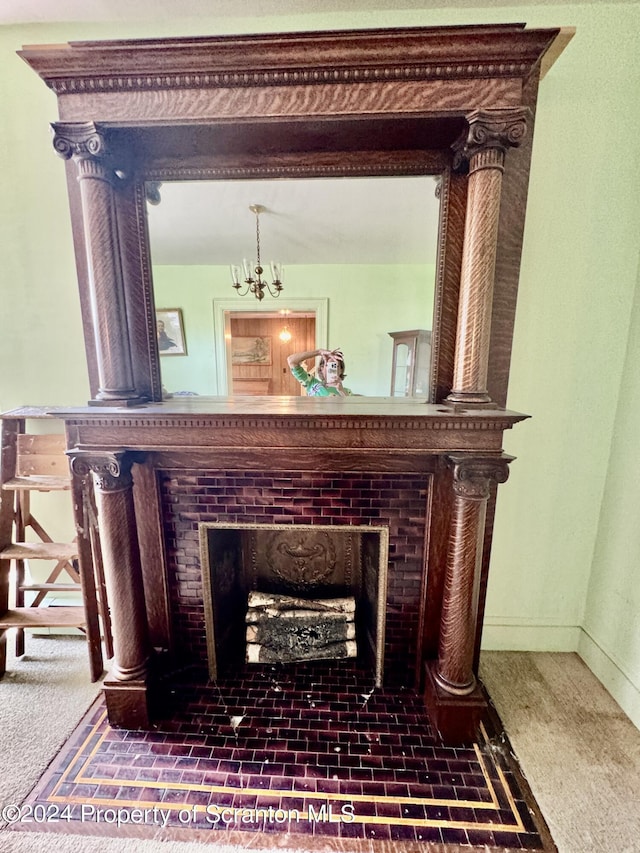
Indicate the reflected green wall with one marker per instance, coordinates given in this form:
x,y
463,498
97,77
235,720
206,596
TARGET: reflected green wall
x,y
566,556
365,303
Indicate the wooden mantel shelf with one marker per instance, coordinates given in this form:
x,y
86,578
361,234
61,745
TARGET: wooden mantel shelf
x,y
308,406
248,405
242,424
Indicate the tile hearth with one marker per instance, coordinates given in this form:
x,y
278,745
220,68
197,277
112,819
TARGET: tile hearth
x,y
308,749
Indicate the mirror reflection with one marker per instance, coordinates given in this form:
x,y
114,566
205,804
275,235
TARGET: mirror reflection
x,y
401,367
355,257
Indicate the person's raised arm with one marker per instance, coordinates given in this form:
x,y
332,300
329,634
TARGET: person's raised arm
x,y
297,358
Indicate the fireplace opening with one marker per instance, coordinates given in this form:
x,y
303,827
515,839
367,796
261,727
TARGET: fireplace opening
x,y
319,567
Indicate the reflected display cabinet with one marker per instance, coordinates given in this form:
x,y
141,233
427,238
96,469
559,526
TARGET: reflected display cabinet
x,y
410,363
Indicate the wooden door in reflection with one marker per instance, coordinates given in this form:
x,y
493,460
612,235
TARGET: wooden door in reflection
x,y
259,355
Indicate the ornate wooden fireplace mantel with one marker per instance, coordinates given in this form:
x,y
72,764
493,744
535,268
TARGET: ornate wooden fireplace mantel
x,y
455,457
455,102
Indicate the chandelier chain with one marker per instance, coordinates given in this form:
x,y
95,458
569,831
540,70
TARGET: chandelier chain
x,y
258,239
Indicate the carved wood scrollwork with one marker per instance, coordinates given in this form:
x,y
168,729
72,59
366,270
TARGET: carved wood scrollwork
x,y
111,469
88,145
472,476
489,134
78,140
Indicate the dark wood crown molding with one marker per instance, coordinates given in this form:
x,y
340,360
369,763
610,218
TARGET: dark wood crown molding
x,y
291,59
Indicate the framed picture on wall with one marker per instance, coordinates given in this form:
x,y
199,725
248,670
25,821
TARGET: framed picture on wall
x,y
170,331
251,350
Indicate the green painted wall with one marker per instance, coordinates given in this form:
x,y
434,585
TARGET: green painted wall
x,y
579,276
610,641
565,564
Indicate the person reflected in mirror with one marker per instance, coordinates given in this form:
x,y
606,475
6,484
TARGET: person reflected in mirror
x,y
329,374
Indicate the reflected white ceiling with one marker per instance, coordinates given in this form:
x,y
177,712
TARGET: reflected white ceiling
x,y
316,221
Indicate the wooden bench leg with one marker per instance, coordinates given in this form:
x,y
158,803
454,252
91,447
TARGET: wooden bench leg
x,y
87,580
3,653
22,513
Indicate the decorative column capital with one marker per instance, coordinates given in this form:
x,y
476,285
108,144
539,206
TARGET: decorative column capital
x,y
88,144
111,469
489,135
473,475
79,139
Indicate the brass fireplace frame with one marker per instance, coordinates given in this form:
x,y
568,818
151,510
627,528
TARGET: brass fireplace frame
x,y
361,529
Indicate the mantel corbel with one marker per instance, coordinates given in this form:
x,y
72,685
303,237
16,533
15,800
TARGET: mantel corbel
x,y
481,150
99,176
111,470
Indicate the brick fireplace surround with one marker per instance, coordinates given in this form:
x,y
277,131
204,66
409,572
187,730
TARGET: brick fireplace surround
x,y
395,501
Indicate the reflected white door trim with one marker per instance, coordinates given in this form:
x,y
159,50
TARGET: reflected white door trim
x,y
222,308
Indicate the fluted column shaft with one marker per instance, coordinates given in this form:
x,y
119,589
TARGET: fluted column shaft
x,y
472,479
87,147
483,151
113,484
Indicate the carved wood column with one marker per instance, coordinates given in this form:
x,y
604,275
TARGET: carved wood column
x,y
472,478
455,702
98,177
126,690
482,150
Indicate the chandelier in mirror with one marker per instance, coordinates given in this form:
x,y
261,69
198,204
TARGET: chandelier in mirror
x,y
253,270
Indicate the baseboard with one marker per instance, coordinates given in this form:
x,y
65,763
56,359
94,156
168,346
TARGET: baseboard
x,y
612,675
516,636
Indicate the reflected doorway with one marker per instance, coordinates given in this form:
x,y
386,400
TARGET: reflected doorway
x,y
259,345
311,312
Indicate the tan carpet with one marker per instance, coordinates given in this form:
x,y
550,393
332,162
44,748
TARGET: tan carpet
x,y
579,751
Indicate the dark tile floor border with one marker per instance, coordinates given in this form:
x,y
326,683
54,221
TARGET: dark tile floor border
x,y
279,780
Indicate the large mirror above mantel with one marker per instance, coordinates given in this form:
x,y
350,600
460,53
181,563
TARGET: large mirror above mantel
x,y
443,101
453,103
359,258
